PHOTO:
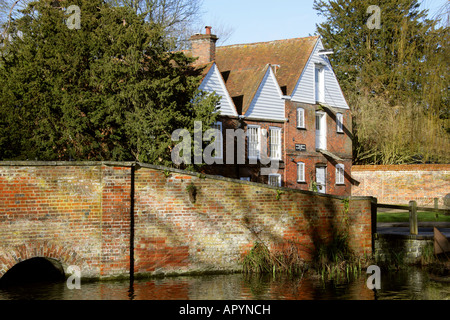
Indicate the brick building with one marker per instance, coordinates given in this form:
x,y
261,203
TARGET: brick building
x,y
285,96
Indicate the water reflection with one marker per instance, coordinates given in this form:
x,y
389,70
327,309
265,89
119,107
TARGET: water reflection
x,y
413,285
410,285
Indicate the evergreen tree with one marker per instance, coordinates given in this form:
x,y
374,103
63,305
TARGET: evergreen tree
x,y
401,68
111,90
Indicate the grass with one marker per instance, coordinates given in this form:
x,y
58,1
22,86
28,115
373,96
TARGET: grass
x,y
404,217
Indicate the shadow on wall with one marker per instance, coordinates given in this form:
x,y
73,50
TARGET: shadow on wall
x,y
328,239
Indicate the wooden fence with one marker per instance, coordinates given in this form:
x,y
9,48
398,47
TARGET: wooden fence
x,y
412,208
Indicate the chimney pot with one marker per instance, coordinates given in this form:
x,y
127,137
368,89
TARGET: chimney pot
x,y
208,29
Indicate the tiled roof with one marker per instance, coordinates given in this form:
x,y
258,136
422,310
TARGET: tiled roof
x,y
205,68
243,84
243,66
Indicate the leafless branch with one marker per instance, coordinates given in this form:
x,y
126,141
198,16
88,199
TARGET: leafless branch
x,y
8,23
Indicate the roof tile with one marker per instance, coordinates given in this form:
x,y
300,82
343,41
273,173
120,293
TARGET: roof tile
x,y
246,64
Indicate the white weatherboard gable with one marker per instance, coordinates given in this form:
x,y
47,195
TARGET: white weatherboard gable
x,y
213,82
305,88
268,102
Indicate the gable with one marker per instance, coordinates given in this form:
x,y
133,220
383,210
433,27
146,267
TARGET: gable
x,y
213,82
267,102
305,88
245,65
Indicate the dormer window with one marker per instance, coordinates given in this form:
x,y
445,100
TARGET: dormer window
x,y
320,82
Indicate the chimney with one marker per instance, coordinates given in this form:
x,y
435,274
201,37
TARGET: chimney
x,y
204,46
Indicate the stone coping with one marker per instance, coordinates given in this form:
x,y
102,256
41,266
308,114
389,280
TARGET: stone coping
x,y
402,167
139,165
404,236
403,233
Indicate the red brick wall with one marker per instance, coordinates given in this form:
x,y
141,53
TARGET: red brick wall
x,y
173,234
115,221
339,144
51,211
79,214
399,184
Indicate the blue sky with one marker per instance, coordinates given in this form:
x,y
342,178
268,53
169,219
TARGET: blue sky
x,y
266,20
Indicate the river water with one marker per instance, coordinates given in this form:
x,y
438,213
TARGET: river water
x,y
413,284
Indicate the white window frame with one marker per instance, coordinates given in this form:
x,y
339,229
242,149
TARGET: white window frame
x,y
319,82
301,118
321,126
218,142
257,146
276,176
340,172
275,148
301,172
339,122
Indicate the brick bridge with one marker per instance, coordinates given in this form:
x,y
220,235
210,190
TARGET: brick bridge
x,y
121,219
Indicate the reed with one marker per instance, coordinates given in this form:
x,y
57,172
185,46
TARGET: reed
x,y
336,261
332,261
261,260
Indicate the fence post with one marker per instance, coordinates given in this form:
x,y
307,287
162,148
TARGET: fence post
x,y
373,211
413,228
436,206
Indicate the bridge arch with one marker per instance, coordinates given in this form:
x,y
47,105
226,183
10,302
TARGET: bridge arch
x,y
33,270
59,256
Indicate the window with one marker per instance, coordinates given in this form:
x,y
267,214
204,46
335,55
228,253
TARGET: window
x,y
321,131
301,118
245,178
339,122
319,83
275,180
275,143
218,141
301,172
321,179
340,174
253,142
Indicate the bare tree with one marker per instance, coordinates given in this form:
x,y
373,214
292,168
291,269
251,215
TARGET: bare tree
x,y
223,31
10,10
175,16
180,18
443,15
